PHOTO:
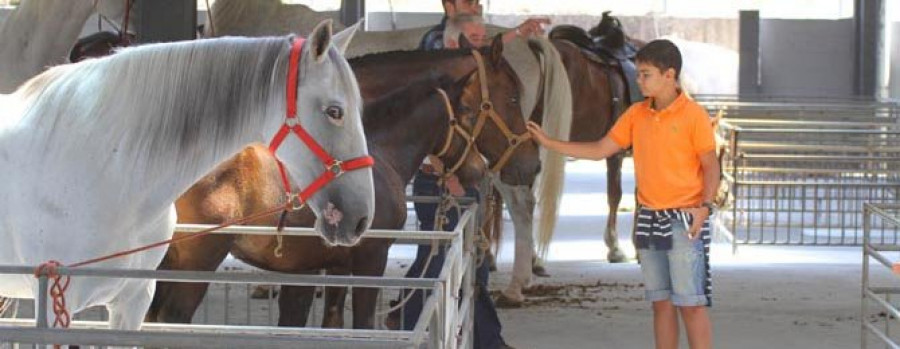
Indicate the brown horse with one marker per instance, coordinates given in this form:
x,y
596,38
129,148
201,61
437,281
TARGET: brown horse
x,y
399,144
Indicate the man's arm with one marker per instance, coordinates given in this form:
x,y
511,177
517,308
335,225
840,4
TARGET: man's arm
x,y
531,27
599,150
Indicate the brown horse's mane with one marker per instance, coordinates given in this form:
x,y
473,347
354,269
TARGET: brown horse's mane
x,y
381,110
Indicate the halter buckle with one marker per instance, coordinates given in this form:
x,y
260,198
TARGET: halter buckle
x,y
487,105
295,203
336,167
291,122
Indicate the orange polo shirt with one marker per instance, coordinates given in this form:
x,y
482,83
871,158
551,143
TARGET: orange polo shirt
x,y
667,145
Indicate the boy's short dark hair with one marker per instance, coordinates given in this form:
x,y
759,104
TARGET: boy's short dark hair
x,y
662,54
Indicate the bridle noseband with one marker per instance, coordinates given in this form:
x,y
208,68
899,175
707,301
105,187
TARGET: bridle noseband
x,y
486,112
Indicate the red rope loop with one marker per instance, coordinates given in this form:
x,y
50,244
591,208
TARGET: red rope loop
x,y
58,288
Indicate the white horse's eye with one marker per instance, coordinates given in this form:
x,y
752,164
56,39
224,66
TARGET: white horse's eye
x,y
334,112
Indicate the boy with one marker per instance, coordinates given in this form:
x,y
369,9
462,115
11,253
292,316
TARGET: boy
x,y
677,174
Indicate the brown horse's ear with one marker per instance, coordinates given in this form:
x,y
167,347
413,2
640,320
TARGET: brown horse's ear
x,y
497,50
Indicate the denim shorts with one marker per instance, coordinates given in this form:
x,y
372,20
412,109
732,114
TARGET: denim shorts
x,y
680,274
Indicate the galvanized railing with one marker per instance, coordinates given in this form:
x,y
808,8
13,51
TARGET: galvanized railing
x,y
445,322
877,305
800,170
807,186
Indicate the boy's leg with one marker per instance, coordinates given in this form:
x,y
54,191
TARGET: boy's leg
x,y
658,285
698,326
665,325
690,276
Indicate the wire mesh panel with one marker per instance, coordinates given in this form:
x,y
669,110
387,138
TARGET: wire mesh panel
x,y
800,173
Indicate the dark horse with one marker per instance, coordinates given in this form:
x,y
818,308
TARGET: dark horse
x,y
599,95
401,127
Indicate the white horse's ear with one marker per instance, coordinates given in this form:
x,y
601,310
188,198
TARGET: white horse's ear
x,y
342,39
320,40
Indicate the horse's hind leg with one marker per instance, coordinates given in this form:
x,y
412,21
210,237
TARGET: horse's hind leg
x,y
614,197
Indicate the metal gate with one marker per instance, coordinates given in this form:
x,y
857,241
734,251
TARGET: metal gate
x,y
799,174
445,322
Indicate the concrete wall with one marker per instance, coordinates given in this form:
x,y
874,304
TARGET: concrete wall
x,y
806,57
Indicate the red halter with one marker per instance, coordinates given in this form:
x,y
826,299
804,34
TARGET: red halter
x,y
333,168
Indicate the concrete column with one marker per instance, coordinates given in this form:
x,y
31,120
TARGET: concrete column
x,y
352,11
868,17
165,20
748,45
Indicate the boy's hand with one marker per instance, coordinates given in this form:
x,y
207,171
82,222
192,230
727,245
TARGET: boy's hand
x,y
536,132
699,214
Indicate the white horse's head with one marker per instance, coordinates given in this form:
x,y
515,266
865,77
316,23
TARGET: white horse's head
x,y
329,108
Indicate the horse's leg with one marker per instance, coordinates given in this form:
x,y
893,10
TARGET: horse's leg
x,y
613,197
365,299
176,302
335,298
294,304
520,202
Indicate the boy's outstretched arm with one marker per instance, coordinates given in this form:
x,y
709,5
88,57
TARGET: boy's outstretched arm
x,y
599,150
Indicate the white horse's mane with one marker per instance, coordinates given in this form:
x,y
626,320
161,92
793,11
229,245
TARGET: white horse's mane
x,y
161,99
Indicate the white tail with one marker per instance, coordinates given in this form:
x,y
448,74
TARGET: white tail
x,y
557,122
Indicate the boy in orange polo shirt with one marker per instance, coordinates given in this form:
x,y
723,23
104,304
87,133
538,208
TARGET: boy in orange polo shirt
x,y
677,174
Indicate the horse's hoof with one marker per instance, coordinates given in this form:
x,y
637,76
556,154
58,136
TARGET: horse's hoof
x,y
262,292
616,256
539,271
505,302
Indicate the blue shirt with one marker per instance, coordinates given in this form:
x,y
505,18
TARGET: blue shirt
x,y
433,39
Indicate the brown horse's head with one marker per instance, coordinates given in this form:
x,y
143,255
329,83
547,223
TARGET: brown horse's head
x,y
456,150
490,107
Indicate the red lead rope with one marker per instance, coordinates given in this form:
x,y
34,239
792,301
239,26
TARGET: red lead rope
x,y
333,168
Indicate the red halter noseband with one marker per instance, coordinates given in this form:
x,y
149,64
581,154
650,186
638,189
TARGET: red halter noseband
x,y
333,168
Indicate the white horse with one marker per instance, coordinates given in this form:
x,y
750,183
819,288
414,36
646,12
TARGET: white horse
x,y
95,153
36,35
707,68
39,34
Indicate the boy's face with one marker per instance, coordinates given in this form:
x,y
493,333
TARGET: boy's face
x,y
460,7
654,82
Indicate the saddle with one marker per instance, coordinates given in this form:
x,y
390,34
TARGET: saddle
x,y
98,45
607,47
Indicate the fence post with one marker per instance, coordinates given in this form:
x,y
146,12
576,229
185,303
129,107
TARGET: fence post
x,y
865,277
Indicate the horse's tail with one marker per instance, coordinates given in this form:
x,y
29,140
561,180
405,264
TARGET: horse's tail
x,y
556,122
